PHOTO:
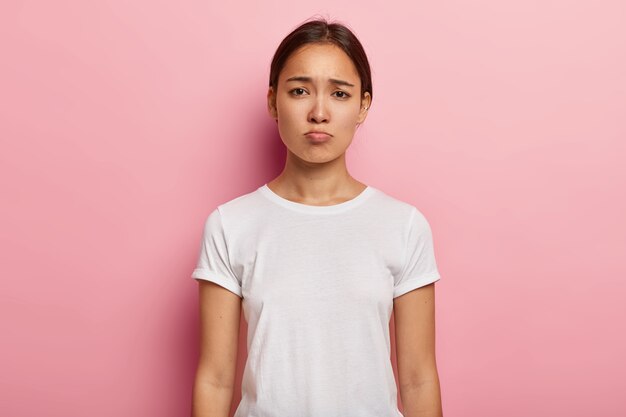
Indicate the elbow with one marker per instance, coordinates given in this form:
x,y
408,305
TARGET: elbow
x,y
418,378
219,380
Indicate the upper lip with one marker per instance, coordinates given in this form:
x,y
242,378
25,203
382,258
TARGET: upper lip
x,y
318,131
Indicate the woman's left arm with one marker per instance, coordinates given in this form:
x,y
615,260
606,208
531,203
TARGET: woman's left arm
x,y
414,317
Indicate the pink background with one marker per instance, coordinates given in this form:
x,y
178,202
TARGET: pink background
x,y
123,124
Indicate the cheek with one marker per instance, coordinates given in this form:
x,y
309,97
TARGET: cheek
x,y
293,114
347,117
288,121
288,113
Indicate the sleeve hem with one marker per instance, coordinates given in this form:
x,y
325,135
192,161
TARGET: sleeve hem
x,y
412,284
205,274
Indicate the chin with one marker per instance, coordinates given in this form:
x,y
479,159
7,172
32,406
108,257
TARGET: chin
x,y
320,158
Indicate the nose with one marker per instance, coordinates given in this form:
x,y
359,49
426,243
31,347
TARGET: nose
x,y
319,112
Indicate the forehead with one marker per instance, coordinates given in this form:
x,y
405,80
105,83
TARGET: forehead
x,y
320,60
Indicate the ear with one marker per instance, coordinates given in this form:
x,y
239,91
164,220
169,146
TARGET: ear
x,y
366,101
271,104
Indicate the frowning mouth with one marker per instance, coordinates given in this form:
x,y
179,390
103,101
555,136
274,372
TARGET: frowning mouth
x,y
317,131
318,136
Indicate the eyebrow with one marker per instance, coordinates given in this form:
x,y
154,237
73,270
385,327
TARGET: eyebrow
x,y
308,79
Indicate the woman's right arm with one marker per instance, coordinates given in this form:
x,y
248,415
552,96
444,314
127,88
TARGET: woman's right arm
x,y
219,338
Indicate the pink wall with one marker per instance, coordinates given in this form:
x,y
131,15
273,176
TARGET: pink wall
x,y
122,124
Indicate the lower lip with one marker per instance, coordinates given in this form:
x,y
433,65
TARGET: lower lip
x,y
318,137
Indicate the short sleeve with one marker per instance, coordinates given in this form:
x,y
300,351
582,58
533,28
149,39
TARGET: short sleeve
x,y
420,267
213,260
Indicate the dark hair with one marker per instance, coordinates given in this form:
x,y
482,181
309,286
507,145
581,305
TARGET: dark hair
x,y
323,31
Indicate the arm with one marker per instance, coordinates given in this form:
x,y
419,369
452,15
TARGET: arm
x,y
414,316
219,333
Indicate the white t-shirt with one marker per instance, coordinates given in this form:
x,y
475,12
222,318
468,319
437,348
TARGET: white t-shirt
x,y
317,286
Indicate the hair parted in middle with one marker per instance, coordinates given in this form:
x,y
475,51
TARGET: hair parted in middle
x,y
322,31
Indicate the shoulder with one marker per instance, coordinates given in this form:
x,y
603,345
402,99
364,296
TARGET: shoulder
x,y
398,208
241,203
242,213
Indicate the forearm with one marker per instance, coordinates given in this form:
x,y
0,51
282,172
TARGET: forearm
x,y
422,399
211,400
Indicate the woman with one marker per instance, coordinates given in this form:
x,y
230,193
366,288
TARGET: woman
x,y
317,260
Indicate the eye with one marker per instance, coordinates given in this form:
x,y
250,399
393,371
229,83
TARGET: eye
x,y
297,90
343,94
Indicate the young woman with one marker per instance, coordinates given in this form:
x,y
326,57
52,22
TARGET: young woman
x,y
318,260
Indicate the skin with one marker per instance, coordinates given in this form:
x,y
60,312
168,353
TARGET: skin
x,y
418,378
214,383
316,174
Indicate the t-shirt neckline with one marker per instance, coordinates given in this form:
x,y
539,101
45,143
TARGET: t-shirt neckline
x,y
310,209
